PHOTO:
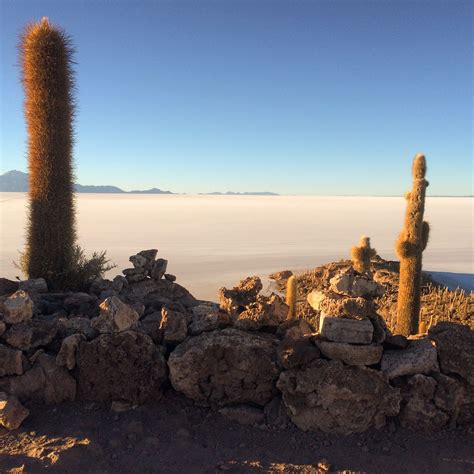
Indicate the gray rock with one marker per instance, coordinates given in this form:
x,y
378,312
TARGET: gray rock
x,y
150,255
276,413
352,354
264,312
296,348
159,269
336,398
243,414
67,354
235,300
419,411
419,357
170,277
34,284
174,326
398,341
45,382
31,335
346,330
82,304
125,366
332,304
138,261
351,284
10,361
12,412
115,316
78,325
455,344
18,308
225,367
7,287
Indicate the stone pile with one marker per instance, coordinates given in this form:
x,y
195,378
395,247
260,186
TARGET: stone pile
x,y
127,339
349,328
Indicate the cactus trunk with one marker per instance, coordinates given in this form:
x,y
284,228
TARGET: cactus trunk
x,y
410,245
46,60
291,296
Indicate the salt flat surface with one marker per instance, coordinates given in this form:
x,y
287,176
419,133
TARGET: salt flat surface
x,y
213,241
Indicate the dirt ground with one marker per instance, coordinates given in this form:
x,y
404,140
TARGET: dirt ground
x,y
174,436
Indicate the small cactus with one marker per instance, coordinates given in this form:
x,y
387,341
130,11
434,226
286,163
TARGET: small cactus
x,y
47,76
362,254
412,241
291,296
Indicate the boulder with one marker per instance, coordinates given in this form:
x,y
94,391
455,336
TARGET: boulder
x,y
455,345
332,304
34,284
296,348
77,325
419,357
207,317
115,316
450,396
151,325
264,312
346,330
125,366
150,256
138,261
419,411
45,382
31,335
350,284
10,361
225,367
335,398
235,300
12,412
173,325
18,308
67,353
159,269
82,304
352,354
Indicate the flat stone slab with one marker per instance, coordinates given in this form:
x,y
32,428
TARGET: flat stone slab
x,y
351,354
346,330
419,357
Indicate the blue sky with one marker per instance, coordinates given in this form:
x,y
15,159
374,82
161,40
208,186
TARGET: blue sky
x,y
313,97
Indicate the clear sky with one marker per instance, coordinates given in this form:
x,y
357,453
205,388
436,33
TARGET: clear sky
x,y
313,97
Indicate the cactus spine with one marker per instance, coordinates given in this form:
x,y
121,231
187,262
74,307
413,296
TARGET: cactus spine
x,y
47,77
410,245
291,296
362,254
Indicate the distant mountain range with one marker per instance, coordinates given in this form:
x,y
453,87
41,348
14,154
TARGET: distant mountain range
x,y
17,182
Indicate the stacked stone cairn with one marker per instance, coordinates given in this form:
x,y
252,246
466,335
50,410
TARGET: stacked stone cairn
x,y
128,339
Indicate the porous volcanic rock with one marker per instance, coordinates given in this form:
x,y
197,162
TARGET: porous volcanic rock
x,y
335,398
115,316
353,331
173,325
455,345
17,308
125,366
332,304
225,367
350,284
10,361
351,354
45,382
12,412
266,311
235,300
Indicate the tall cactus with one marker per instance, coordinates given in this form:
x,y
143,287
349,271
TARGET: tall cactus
x,y
361,255
291,296
47,76
410,245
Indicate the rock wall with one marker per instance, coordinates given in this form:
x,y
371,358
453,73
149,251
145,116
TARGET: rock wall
x,y
128,339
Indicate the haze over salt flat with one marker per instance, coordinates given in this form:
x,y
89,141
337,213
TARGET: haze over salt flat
x,y
214,241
